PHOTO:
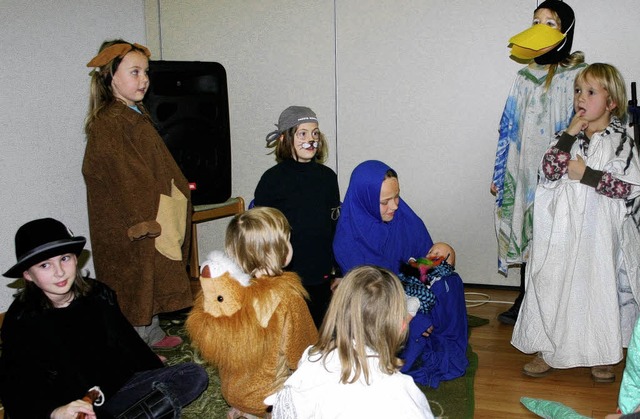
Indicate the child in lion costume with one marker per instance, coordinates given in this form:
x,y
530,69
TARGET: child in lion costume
x,y
251,319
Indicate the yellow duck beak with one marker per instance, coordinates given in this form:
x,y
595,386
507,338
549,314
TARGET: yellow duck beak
x,y
534,41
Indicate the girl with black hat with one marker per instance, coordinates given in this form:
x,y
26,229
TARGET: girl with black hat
x,y
65,335
539,104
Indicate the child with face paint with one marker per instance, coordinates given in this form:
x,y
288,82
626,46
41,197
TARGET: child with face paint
x,y
583,278
306,191
539,104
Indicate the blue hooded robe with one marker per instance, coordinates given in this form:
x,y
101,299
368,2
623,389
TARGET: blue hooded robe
x,y
362,238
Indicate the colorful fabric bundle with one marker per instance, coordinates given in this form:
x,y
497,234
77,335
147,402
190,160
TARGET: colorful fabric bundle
x,y
410,276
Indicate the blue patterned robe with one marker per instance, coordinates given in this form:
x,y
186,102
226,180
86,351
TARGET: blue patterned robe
x,y
531,117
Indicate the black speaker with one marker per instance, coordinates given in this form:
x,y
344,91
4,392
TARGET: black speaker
x,y
189,103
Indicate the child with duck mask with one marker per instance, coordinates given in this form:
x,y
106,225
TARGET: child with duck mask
x,y
539,104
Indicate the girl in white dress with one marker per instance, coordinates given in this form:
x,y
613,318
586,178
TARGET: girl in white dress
x,y
584,271
353,370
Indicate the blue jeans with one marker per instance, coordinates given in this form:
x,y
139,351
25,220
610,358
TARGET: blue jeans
x,y
183,383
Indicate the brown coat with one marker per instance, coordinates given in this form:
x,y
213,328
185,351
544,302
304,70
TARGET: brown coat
x,y
126,167
254,335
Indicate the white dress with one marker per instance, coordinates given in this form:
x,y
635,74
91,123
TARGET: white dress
x,y
315,391
582,278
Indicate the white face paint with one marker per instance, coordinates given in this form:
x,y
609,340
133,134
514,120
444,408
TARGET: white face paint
x,y
311,145
307,139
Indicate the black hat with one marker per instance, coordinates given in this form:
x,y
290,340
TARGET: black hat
x,y
567,23
41,239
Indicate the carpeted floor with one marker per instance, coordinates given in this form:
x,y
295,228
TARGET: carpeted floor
x,y
452,399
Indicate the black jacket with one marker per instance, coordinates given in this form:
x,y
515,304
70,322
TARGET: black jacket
x,y
52,357
307,194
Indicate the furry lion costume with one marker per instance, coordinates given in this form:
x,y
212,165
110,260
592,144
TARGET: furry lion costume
x,y
253,330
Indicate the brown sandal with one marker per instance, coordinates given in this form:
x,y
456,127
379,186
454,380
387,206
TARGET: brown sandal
x,y
536,368
603,374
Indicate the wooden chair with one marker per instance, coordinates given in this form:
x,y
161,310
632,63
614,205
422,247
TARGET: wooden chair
x,y
202,213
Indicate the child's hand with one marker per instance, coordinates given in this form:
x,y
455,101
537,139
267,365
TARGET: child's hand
x,y
73,409
441,250
576,168
493,189
578,123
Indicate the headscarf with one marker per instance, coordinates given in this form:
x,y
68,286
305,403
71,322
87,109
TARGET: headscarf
x,y
362,238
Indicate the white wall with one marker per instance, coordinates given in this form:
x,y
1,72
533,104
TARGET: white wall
x,y
418,84
422,88
276,54
43,101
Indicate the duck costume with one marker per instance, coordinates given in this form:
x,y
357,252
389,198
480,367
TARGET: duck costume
x,y
540,103
532,42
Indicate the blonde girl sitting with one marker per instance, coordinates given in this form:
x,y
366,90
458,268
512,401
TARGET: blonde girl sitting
x,y
353,370
251,320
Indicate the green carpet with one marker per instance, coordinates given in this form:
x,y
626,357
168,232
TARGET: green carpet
x,y
455,398
452,399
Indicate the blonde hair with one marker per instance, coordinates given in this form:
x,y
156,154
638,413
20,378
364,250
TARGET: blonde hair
x,y
367,310
258,239
101,94
284,147
612,81
576,58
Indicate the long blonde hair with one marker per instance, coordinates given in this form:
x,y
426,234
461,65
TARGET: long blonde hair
x,y
258,240
576,58
368,310
101,94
